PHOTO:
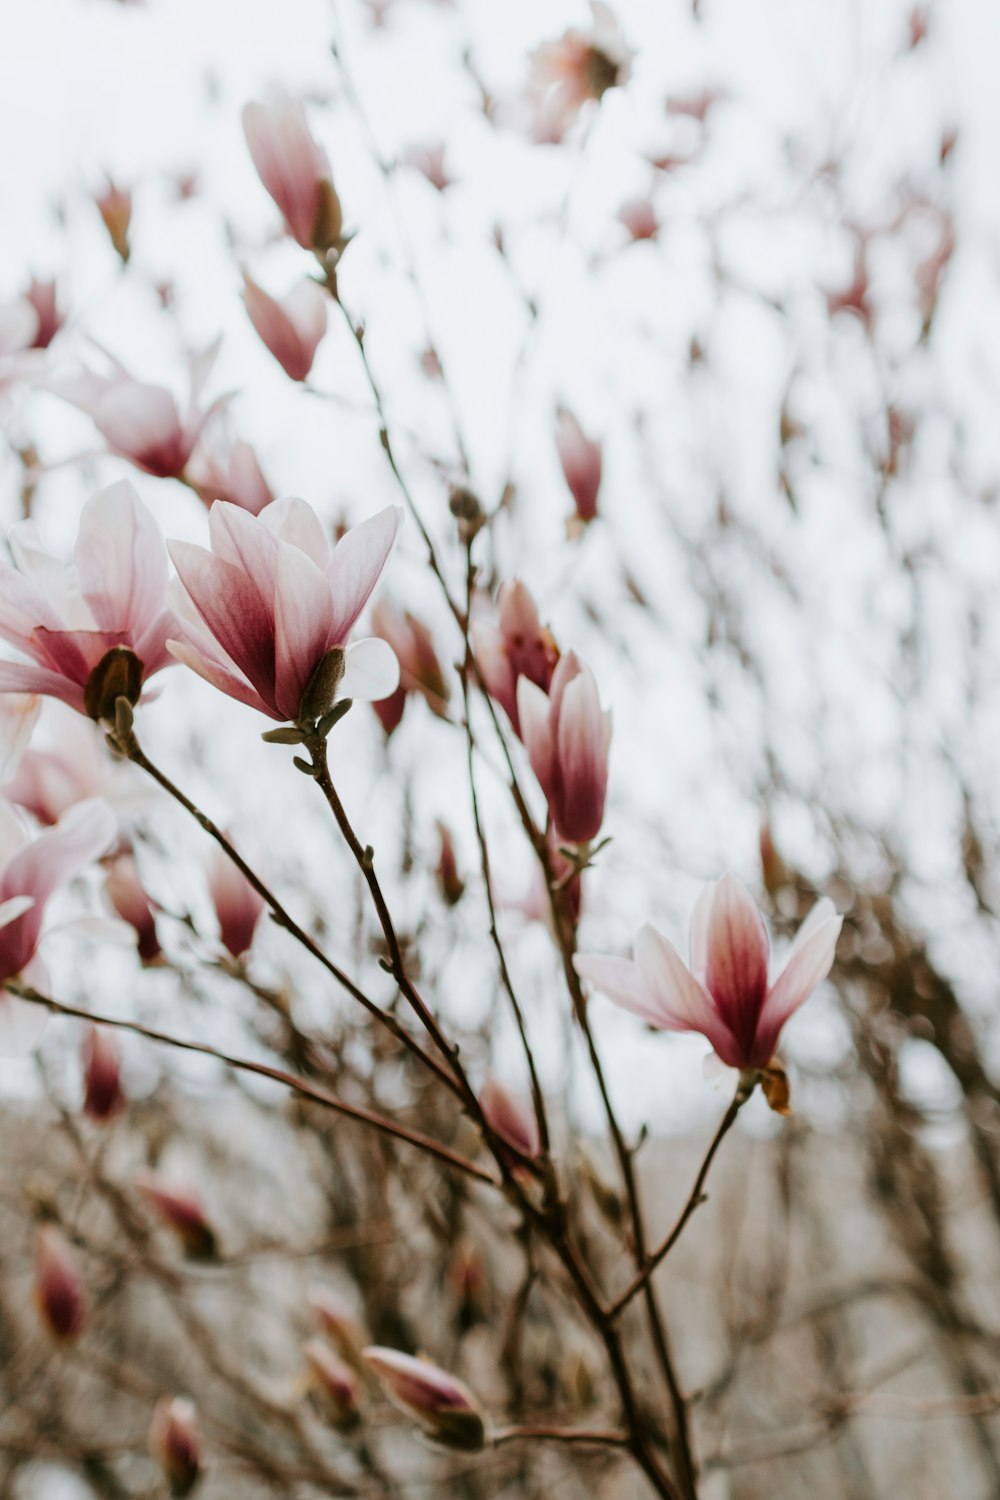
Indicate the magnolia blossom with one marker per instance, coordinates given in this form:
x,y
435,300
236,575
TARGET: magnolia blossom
x,y
440,1404
567,736
179,1207
581,464
578,67
60,1294
292,327
175,1443
266,608
125,891
30,871
114,204
511,1116
43,297
639,217
517,646
238,907
103,1097
296,172
724,994
73,765
237,478
335,1384
100,629
420,670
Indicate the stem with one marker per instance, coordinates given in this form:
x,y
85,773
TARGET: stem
x,y
695,1198
606,1439
311,1091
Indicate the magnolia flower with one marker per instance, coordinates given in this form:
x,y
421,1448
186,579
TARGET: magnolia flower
x,y
74,765
516,646
238,907
581,464
724,994
237,478
125,891
578,67
175,1443
103,1097
142,422
429,161
413,645
292,327
339,1323
180,1208
44,299
567,736
269,610
296,172
444,1408
639,218
510,1116
30,871
100,630
335,1383
60,1295
114,205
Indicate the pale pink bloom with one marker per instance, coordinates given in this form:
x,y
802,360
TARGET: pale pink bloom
x,y
580,66
567,736
517,646
336,1383
511,1116
73,767
180,1208
69,620
238,907
60,1295
443,1407
639,218
30,872
581,463
114,205
127,896
450,883
142,422
724,994
103,1097
175,1443
296,172
18,717
419,668
429,161
271,600
292,327
237,478
43,298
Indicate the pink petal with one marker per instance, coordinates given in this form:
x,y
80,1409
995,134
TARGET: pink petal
x,y
533,711
289,163
18,677
221,676
121,561
371,671
292,346
495,667
81,836
240,538
18,717
681,1002
137,419
356,566
303,618
293,520
698,942
736,974
231,605
809,962
582,750
622,980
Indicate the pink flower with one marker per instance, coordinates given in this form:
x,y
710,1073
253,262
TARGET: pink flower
x,y
639,218
30,871
567,736
292,328
142,422
581,464
724,994
125,892
73,766
510,1116
180,1208
441,1405
100,629
60,1295
580,66
103,1097
429,161
413,645
517,646
296,172
237,478
43,298
175,1443
271,603
114,205
336,1383
238,907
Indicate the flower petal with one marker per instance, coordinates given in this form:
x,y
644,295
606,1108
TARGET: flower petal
x,y
536,733
121,561
294,520
221,676
698,941
356,566
736,970
809,962
680,999
371,671
303,616
234,610
18,677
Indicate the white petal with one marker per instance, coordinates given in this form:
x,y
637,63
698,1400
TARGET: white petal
x,y
371,671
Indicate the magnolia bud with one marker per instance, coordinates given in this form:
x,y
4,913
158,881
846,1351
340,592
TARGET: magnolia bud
x,y
175,1443
339,1323
450,883
130,901
238,906
581,464
445,1410
180,1209
510,1116
335,1384
59,1289
102,1090
115,207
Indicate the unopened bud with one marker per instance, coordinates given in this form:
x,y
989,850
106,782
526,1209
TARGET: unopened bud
x,y
115,207
180,1209
450,883
102,1090
339,1324
118,674
238,906
130,901
510,1116
59,1288
445,1410
321,689
335,1384
468,512
175,1443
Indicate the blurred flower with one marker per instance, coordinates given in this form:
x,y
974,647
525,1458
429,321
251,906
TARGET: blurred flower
x,y
30,871
639,218
74,765
445,1409
100,629
413,645
335,1383
578,67
43,298
567,736
511,1116
450,883
724,994
854,297
237,478
291,328
429,162
581,464
296,172
175,1443
516,646
114,205
238,907
180,1208
270,606
18,717
339,1323
103,1097
125,892
60,1295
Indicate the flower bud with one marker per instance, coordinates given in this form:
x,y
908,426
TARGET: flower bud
x,y
296,172
335,1384
238,906
125,892
339,1323
175,1443
180,1208
115,207
445,1410
510,1116
517,646
59,1289
581,464
102,1097
118,674
291,328
450,883
44,299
